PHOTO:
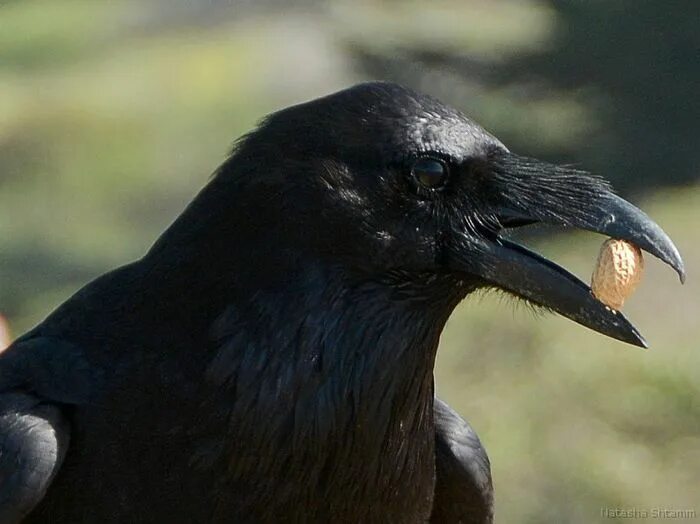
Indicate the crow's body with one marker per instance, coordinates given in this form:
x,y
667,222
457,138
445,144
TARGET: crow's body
x,y
271,358
284,438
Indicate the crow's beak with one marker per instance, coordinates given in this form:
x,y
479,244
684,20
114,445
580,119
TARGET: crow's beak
x,y
520,191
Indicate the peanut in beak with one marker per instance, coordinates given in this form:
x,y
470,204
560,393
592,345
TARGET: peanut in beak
x,y
617,273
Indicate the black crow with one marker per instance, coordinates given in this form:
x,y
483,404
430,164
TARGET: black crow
x,y
270,359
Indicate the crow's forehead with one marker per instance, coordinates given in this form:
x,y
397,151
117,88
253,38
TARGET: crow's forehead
x,y
407,121
455,137
375,119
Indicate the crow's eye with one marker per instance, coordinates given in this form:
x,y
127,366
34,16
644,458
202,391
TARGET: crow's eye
x,y
430,172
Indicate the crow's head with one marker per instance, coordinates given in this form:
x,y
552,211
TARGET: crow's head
x,y
380,181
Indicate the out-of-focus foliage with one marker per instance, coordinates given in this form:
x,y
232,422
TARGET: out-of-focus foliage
x,y
616,83
113,114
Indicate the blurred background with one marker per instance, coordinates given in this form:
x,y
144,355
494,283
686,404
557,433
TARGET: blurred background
x,y
113,114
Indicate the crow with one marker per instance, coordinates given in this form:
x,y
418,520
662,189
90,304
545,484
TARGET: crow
x,y
270,358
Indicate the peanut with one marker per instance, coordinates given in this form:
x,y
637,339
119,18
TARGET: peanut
x,y
617,273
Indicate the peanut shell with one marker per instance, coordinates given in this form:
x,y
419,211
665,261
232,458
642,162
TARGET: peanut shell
x,y
617,273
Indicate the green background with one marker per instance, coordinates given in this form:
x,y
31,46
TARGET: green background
x,y
113,115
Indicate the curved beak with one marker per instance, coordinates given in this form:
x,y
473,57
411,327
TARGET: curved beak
x,y
523,190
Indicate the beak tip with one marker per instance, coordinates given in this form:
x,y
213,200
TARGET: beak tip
x,y
676,262
638,340
681,273
672,256
628,333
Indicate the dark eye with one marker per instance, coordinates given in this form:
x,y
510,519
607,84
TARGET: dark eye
x,y
430,172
